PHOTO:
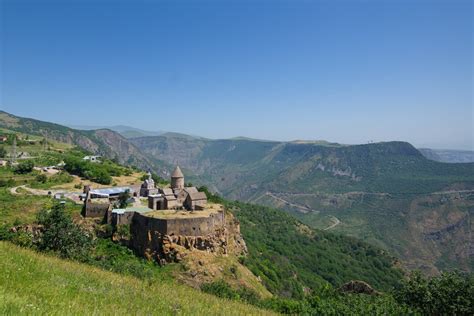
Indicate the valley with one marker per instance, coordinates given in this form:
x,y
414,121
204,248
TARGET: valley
x,y
376,191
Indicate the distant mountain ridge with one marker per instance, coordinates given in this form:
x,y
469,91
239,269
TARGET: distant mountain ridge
x,y
448,155
124,130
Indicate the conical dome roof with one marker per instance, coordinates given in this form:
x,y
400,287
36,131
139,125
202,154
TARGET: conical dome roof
x,y
177,173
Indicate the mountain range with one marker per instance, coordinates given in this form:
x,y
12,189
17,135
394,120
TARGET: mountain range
x,y
441,155
388,194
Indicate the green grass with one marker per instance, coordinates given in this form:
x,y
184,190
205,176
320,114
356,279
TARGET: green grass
x,y
33,283
20,208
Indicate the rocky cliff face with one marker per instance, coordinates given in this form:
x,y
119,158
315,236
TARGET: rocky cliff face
x,y
203,259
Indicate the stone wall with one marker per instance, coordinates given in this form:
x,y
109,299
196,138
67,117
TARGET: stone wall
x,y
160,239
122,219
96,210
193,226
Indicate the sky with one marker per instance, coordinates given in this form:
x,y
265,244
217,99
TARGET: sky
x,y
344,71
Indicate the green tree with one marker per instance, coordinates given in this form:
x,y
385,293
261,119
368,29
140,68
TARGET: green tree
x,y
41,178
62,235
3,152
123,199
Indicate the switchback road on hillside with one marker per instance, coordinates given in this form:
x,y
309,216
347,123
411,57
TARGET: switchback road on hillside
x,y
303,208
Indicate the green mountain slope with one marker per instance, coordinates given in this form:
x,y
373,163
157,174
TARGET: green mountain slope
x,y
290,257
32,283
103,142
388,194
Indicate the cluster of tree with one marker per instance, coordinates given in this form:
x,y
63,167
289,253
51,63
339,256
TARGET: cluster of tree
x,y
92,171
451,293
58,178
97,172
25,166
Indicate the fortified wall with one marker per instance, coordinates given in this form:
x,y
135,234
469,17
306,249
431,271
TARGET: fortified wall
x,y
158,235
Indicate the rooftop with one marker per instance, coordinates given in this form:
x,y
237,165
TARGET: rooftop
x,y
210,209
177,173
110,191
137,209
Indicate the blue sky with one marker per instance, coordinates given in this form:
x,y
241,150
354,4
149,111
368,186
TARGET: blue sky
x,y
343,71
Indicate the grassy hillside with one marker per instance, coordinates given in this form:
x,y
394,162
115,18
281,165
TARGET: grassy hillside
x,y
32,283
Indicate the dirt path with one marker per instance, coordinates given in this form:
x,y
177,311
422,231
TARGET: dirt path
x,y
14,189
336,222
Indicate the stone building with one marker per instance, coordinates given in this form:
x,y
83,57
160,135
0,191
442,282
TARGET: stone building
x,y
148,187
95,207
195,201
178,196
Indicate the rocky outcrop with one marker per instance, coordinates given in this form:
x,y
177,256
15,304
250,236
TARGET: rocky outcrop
x,y
172,248
357,287
34,231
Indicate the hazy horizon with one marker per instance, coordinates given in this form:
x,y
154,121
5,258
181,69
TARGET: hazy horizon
x,y
348,71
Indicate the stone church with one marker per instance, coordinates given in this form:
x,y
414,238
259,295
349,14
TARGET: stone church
x,y
178,196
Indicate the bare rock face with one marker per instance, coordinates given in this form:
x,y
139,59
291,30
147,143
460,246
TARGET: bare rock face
x,y
357,287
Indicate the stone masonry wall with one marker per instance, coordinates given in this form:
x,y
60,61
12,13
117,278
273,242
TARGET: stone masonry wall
x,y
160,239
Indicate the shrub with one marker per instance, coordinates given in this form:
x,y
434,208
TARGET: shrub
x,y
7,183
25,166
221,289
42,178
